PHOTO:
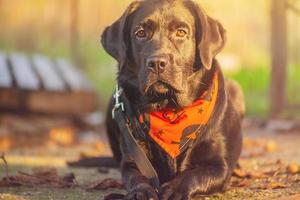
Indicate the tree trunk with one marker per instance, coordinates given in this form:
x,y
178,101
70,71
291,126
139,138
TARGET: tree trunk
x,y
279,56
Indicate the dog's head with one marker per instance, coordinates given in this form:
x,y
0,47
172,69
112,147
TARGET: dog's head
x,y
164,47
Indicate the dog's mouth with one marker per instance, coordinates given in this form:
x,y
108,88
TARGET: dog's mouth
x,y
161,94
160,88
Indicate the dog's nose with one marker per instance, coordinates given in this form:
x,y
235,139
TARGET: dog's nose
x,y
157,64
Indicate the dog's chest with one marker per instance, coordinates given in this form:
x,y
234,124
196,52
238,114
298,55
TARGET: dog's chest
x,y
166,166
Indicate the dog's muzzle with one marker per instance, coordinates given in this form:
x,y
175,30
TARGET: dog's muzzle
x,y
160,88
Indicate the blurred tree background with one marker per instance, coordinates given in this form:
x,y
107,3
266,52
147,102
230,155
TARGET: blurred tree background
x,y
55,28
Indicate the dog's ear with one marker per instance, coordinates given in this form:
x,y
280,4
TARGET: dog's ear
x,y
113,38
211,36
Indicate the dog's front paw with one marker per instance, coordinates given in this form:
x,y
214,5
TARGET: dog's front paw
x,y
172,191
142,192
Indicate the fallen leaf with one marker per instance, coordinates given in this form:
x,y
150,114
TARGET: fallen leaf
x,y
253,154
5,143
104,185
251,143
279,162
63,136
49,172
239,173
274,173
257,175
99,145
242,183
276,185
272,186
293,168
271,146
39,177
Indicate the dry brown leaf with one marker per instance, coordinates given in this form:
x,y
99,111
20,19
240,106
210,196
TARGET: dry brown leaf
x,y
45,172
48,178
257,175
293,168
249,143
271,146
279,162
240,173
276,185
254,154
104,185
63,136
274,173
272,186
99,146
242,183
5,143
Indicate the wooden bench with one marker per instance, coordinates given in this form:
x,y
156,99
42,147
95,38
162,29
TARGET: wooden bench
x,y
40,85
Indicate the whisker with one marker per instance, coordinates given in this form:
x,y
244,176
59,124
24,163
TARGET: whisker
x,y
203,83
173,100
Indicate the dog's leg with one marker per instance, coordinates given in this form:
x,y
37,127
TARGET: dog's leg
x,y
204,179
206,169
137,185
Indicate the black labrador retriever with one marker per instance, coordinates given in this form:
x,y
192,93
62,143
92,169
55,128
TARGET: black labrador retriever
x,y
167,68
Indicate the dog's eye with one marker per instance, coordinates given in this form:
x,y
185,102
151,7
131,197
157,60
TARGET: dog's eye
x,y
181,33
141,33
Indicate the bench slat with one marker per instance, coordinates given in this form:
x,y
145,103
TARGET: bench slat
x,y
6,79
24,74
48,74
75,80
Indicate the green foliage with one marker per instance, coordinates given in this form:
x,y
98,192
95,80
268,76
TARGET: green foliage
x,y
101,69
255,84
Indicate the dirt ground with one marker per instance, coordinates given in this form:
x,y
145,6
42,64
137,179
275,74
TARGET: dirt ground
x,y
267,169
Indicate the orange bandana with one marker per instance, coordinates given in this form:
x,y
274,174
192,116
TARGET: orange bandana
x,y
173,130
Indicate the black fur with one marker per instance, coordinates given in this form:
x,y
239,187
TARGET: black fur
x,y
206,166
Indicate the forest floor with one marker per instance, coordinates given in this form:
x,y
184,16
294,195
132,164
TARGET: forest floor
x,y
268,169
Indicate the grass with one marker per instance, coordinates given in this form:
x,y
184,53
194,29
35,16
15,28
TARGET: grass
x,y
255,83
101,70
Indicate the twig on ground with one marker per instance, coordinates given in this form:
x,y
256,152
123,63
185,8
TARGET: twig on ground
x,y
2,157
